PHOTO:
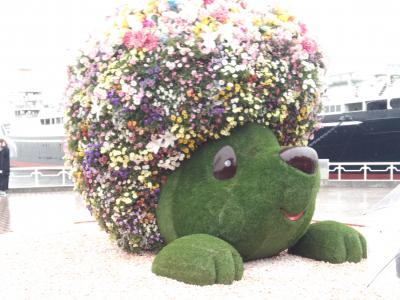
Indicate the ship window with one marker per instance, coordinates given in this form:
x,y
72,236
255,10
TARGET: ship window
x,y
338,108
353,106
47,121
395,103
326,109
377,105
332,108
42,121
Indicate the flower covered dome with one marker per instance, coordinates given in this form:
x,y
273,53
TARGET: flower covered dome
x,y
167,77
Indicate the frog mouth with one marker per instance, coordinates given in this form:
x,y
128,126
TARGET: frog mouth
x,y
293,217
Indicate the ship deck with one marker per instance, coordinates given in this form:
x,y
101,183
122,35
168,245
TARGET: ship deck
x,y
52,248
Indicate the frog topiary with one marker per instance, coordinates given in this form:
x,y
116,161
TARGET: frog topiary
x,y
174,118
243,197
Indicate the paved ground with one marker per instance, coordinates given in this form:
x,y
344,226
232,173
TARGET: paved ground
x,y
373,211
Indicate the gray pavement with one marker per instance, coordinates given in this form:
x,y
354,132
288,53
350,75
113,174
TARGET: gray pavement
x,y
54,210
373,211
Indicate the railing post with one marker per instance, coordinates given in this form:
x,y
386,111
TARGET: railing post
x,y
36,172
63,176
365,172
391,167
339,172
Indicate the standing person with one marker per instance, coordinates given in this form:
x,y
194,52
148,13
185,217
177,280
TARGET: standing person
x,y
4,166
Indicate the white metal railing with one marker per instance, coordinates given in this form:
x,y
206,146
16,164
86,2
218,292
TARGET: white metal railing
x,y
34,177
60,176
364,171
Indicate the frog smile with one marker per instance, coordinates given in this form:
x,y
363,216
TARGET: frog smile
x,y
292,217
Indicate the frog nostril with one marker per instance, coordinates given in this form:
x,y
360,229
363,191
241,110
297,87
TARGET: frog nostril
x,y
302,158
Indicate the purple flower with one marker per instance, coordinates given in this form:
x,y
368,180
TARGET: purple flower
x,y
218,110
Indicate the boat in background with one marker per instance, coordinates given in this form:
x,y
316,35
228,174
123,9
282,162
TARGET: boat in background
x,y
37,131
360,118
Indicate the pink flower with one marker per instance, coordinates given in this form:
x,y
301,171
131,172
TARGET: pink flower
x,y
140,40
309,46
148,23
103,159
220,14
208,2
303,29
151,42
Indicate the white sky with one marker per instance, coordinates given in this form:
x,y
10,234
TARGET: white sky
x,y
40,34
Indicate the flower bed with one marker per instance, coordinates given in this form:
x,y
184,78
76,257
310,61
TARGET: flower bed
x,y
165,78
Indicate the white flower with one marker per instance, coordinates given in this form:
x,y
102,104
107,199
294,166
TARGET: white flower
x,y
137,99
170,65
165,141
134,23
100,93
172,162
96,109
209,39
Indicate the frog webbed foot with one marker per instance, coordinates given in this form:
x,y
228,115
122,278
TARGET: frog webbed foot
x,y
332,242
199,259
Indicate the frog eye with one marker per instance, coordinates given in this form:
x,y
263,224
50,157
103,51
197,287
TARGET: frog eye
x,y
304,159
224,163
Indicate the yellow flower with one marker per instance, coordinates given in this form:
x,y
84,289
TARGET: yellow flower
x,y
205,21
237,88
174,128
284,17
125,23
303,110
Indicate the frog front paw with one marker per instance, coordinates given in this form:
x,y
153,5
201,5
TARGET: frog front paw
x,y
199,259
332,242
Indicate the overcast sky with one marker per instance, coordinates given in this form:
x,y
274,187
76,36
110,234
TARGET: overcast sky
x,y
42,34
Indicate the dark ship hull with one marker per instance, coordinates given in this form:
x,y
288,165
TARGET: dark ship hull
x,y
364,136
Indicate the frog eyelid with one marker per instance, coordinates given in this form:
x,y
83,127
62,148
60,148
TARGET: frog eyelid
x,y
221,169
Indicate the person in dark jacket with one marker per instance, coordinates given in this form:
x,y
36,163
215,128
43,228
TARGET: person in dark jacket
x,y
4,166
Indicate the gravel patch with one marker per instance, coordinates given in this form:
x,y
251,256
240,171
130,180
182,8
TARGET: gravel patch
x,y
82,262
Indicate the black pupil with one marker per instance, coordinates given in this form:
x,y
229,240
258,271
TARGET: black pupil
x,y
225,163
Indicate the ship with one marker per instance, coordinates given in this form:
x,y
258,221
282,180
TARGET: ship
x,y
37,131
360,118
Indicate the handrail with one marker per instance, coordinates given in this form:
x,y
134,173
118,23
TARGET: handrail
x,y
36,177
364,171
338,171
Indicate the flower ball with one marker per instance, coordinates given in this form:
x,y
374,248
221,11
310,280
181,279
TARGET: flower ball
x,y
165,78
